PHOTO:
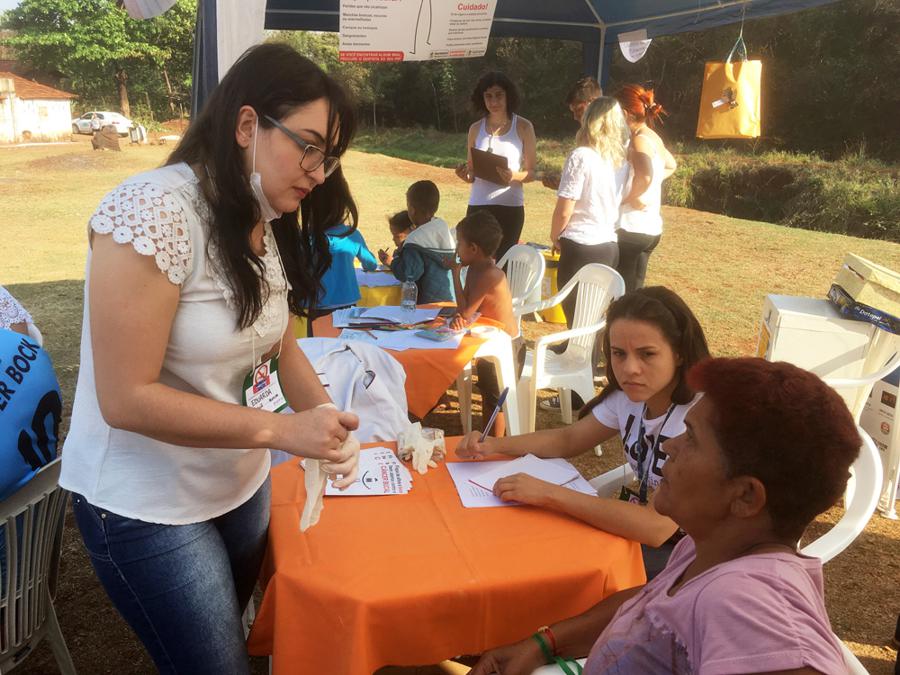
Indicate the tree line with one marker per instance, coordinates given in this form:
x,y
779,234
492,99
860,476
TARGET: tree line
x,y
827,72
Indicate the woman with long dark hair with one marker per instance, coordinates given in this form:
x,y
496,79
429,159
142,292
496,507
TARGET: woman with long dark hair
x,y
187,354
652,339
500,131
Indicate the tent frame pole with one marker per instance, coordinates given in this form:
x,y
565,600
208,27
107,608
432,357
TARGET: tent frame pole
x,y
602,49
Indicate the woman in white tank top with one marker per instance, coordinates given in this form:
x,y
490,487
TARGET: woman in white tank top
x,y
640,222
502,132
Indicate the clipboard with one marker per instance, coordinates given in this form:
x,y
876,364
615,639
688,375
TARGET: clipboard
x,y
485,165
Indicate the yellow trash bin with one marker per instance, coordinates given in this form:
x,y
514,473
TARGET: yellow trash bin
x,y
549,288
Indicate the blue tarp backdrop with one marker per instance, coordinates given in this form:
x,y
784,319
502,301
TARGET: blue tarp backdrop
x,y
595,23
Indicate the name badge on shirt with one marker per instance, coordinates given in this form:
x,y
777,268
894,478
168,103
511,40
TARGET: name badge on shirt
x,y
262,388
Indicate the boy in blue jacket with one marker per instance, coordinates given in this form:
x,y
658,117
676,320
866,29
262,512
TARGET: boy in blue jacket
x,y
339,287
421,258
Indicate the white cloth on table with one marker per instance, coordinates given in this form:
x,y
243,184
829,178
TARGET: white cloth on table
x,y
162,213
363,379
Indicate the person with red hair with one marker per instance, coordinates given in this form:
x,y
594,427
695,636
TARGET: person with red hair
x,y
640,222
766,449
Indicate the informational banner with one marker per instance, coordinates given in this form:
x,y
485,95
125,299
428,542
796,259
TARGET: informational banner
x,y
634,44
414,30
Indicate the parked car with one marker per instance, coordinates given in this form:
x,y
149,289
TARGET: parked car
x,y
82,125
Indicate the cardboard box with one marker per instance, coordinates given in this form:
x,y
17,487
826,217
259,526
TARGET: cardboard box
x,y
858,310
870,284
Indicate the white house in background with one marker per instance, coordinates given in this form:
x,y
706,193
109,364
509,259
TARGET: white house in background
x,y
31,112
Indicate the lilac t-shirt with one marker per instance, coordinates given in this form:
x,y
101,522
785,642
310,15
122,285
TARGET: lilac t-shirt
x,y
758,613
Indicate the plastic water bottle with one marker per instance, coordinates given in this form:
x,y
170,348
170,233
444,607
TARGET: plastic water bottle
x,y
408,295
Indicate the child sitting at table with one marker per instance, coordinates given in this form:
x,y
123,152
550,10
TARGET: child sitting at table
x,y
486,292
421,258
400,225
339,288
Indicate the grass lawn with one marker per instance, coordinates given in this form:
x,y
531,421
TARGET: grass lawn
x,y
723,267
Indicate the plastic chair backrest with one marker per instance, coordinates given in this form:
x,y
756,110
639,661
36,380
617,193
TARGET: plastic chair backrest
x,y
524,268
32,519
861,499
864,383
598,286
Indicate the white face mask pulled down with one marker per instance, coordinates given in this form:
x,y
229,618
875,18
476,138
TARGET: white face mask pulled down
x,y
266,210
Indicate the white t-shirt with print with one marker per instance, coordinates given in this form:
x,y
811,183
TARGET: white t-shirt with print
x,y
596,186
619,412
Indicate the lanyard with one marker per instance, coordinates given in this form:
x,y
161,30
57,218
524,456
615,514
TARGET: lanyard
x,y
643,471
253,362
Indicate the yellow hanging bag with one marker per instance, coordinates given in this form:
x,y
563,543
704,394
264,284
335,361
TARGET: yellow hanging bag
x,y
729,100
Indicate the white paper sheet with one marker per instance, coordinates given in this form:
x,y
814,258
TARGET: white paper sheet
x,y
396,314
401,340
361,335
543,469
380,473
341,318
375,279
474,496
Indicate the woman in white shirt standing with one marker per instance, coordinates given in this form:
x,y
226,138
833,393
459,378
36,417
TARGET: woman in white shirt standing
x,y
640,223
590,191
502,132
192,271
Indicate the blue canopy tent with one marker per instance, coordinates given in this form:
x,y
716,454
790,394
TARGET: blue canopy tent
x,y
597,24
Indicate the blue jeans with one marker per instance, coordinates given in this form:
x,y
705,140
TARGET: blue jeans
x,y
181,588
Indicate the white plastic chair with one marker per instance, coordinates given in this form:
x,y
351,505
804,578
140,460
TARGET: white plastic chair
x,y
597,286
33,520
860,499
882,344
498,350
524,266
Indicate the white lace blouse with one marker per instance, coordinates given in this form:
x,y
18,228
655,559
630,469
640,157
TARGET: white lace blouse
x,y
11,312
163,214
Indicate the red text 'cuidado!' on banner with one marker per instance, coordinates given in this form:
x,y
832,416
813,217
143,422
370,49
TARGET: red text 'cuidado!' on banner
x,y
414,30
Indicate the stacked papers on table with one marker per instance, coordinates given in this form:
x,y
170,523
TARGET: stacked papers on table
x,y
380,473
399,340
375,279
474,495
396,314
344,318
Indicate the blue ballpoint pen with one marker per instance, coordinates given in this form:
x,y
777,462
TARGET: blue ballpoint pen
x,y
490,422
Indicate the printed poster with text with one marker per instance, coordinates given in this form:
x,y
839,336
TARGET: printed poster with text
x,y
414,30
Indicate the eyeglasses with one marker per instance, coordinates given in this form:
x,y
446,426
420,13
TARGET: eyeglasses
x,y
313,157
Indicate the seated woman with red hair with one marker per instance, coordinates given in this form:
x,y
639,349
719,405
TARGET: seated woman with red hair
x,y
765,450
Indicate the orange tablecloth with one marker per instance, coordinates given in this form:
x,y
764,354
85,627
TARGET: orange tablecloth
x,y
415,579
428,371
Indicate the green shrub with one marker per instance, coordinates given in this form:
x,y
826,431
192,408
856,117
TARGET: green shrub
x,y
854,195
